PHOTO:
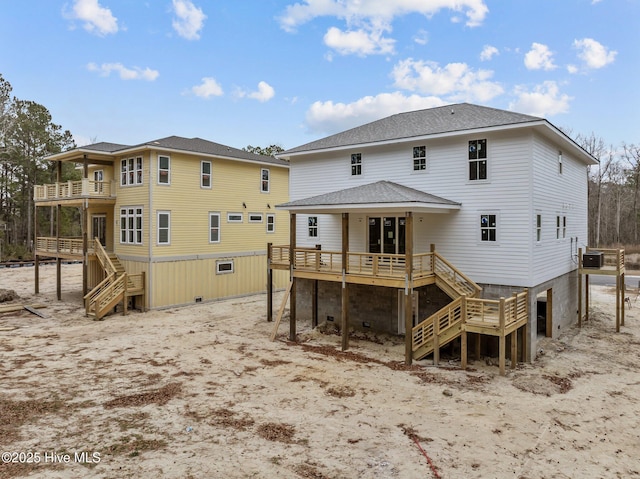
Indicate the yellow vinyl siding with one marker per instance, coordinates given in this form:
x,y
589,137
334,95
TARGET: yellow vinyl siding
x,y
233,183
198,278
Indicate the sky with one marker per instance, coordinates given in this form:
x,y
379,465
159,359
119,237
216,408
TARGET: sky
x,y
287,72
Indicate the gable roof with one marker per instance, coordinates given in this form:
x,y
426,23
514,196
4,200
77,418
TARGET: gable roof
x,y
384,195
170,143
432,121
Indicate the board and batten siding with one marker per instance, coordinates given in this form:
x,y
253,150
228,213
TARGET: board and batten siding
x,y
456,234
176,283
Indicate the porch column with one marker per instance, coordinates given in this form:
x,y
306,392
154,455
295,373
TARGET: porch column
x,y
345,286
292,296
269,283
58,259
579,287
85,248
408,290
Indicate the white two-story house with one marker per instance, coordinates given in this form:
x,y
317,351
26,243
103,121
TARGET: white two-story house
x,y
395,219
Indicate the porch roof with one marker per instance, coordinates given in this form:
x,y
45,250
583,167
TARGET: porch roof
x,y
381,196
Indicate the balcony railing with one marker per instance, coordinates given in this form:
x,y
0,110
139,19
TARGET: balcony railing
x,y
84,188
57,246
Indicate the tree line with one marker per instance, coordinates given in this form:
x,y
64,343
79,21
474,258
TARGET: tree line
x,y
28,135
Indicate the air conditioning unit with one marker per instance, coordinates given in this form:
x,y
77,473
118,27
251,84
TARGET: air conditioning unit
x,y
592,259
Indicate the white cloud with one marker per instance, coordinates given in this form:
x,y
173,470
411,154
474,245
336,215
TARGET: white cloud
x,y
355,11
488,52
359,42
135,73
457,81
264,93
328,117
539,58
422,37
208,88
97,19
594,54
189,19
572,69
545,100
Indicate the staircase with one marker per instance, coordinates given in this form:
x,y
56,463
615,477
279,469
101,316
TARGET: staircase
x,y
117,286
446,324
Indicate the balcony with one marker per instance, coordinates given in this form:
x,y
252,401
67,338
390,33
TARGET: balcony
x,y
74,190
70,248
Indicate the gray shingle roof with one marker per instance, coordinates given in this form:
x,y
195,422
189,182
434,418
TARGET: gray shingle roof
x,y
198,145
380,192
192,145
445,119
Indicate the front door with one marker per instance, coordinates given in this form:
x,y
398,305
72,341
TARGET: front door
x,y
99,228
387,235
375,235
98,177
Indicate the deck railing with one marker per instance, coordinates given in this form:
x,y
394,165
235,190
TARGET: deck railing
x,y
67,245
84,188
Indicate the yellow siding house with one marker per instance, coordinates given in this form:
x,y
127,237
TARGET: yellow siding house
x,y
169,222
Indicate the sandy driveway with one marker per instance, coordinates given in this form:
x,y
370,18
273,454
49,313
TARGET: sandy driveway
x,y
201,392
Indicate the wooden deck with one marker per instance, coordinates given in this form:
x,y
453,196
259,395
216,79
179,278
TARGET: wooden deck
x,y
68,248
367,268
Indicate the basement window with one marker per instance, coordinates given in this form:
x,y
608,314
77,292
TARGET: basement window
x,y
224,267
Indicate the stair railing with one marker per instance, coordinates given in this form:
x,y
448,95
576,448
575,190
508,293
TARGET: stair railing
x,y
103,257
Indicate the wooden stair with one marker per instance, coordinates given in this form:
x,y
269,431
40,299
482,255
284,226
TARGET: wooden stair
x,y
445,325
116,288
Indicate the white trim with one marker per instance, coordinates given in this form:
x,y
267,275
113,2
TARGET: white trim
x,y
168,170
364,207
225,263
135,171
262,180
202,162
219,227
271,224
158,213
229,220
135,229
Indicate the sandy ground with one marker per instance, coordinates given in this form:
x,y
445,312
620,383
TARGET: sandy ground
x,y
201,392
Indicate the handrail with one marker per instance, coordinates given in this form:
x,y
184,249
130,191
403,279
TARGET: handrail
x,y
469,287
103,257
438,322
90,297
84,188
104,298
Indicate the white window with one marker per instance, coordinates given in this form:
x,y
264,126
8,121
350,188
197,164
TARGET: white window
x,y
356,164
560,162
98,178
131,171
164,227
214,227
131,225
419,158
264,180
255,217
164,170
271,223
558,227
564,226
477,160
313,226
538,228
205,174
488,227
224,266
234,218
